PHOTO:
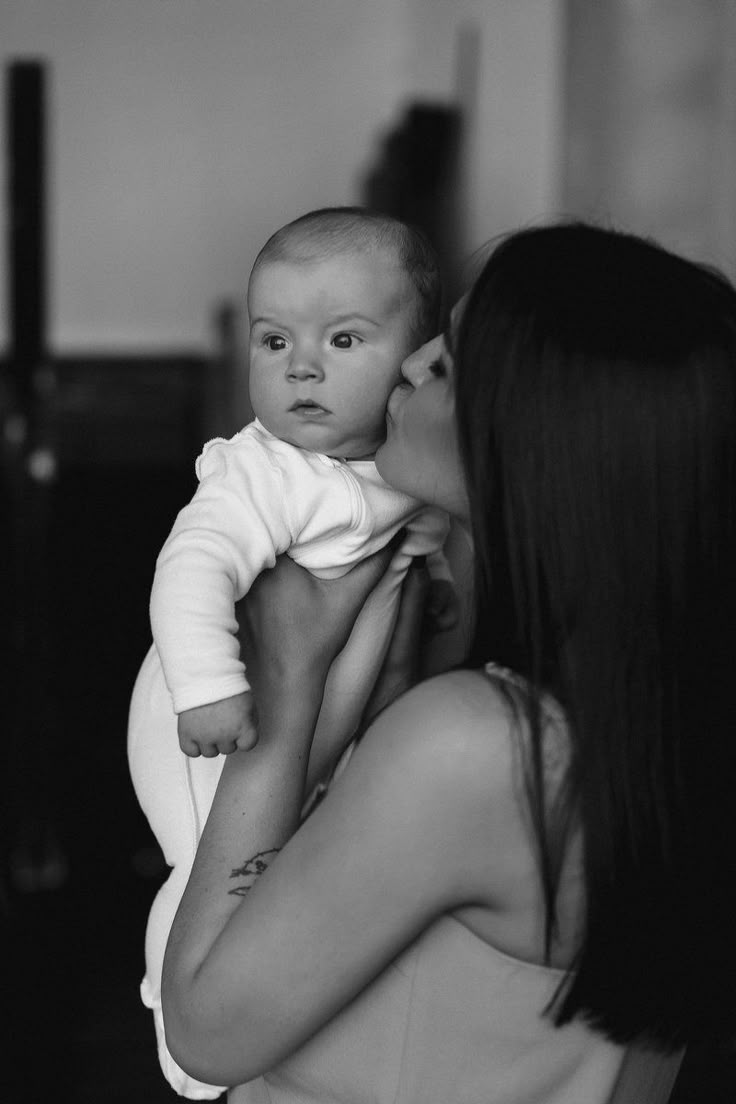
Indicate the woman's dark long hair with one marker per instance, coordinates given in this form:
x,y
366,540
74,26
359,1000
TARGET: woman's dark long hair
x,y
596,405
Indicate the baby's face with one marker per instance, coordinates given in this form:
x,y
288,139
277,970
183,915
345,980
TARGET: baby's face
x,y
327,338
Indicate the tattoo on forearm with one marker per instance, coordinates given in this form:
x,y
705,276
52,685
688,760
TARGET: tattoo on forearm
x,y
250,870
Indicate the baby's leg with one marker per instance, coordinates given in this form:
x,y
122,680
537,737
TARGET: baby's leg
x,y
175,792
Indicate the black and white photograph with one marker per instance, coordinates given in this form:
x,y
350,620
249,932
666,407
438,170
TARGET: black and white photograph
x,y
368,551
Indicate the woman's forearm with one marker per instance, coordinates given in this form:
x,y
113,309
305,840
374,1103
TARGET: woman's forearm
x,y
255,811
292,626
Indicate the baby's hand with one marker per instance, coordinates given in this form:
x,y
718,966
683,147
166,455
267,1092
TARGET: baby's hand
x,y
218,728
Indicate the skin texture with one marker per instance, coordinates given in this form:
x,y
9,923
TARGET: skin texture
x,y
331,332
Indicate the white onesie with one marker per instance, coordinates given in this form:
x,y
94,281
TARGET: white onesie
x,y
258,497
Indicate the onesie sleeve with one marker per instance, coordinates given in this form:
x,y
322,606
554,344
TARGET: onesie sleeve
x,y
234,527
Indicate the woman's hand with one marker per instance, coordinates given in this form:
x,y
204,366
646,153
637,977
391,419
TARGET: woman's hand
x,y
292,625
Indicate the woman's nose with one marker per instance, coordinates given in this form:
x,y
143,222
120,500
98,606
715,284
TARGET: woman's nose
x,y
304,365
417,368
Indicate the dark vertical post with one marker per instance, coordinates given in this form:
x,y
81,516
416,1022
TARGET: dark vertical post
x,y
26,130
28,470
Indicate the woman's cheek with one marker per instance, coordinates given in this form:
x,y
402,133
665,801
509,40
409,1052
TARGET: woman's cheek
x,y
420,424
392,460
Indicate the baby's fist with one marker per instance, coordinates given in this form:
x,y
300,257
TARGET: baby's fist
x,y
218,728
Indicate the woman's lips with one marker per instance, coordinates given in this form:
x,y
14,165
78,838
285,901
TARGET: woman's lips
x,y
397,398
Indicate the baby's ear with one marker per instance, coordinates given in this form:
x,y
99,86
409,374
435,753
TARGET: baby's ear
x,y
443,607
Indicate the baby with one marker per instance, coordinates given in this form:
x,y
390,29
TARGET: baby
x,y
337,299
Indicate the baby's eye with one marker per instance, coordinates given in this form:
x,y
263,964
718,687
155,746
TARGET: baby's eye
x,y
343,340
275,343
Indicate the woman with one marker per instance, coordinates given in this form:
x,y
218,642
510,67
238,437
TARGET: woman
x,y
526,866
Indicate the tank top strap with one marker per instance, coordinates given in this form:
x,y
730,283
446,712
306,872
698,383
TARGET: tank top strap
x,y
554,714
505,674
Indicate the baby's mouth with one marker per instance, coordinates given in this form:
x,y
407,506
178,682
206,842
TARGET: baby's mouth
x,y
308,406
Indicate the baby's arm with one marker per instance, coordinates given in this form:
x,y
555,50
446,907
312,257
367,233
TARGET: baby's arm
x,y
233,529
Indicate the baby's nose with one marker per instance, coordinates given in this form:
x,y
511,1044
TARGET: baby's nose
x,y
304,365
417,368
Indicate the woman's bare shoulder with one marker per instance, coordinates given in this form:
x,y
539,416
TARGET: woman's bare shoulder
x,y
466,697
453,727
466,731
440,769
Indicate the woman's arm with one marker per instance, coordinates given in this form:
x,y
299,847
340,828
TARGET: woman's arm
x,y
401,669
251,973
403,836
291,629
424,644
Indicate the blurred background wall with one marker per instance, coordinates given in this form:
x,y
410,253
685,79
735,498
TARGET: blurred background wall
x,y
649,134
182,133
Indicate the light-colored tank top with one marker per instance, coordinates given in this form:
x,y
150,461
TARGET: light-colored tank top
x,y
452,1020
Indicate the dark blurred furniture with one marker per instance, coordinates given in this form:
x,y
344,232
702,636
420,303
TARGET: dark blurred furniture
x,y
92,478
414,177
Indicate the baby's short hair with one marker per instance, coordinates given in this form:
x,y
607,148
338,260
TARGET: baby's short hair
x,y
333,230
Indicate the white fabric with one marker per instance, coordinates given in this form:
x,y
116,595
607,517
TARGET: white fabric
x,y
257,498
